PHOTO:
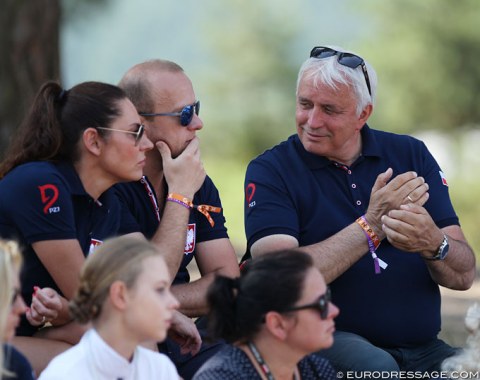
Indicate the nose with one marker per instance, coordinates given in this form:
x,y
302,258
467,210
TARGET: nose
x,y
315,117
174,304
333,310
196,124
145,143
19,307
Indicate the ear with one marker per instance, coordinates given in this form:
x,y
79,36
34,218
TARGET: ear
x,y
278,325
118,294
365,114
92,141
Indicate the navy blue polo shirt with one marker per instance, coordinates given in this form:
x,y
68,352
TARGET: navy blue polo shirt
x,y
42,201
291,191
140,199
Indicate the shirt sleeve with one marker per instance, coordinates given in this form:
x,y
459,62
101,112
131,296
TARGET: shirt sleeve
x,y
41,207
208,195
269,207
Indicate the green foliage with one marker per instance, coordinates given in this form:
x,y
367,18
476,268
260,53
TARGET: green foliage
x,y
426,54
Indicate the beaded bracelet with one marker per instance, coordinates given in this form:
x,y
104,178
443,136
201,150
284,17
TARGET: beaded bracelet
x,y
373,243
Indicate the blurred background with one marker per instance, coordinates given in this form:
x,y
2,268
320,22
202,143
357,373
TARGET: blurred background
x,y
243,58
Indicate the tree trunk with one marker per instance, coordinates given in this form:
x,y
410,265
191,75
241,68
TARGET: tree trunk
x,y
29,56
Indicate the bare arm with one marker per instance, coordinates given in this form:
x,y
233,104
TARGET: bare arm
x,y
333,256
411,229
213,257
184,175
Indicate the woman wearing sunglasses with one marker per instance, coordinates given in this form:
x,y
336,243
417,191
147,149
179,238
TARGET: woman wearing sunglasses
x,y
55,197
276,315
13,365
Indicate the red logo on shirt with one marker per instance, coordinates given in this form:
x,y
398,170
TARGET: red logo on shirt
x,y
249,193
444,179
49,195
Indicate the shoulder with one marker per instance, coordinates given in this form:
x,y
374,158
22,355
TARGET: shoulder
x,y
230,363
32,172
279,152
156,364
17,363
67,363
315,366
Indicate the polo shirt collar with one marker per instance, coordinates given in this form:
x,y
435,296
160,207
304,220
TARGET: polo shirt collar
x,y
370,148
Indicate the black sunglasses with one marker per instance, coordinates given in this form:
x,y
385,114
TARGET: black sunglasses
x,y
138,134
186,114
345,59
321,304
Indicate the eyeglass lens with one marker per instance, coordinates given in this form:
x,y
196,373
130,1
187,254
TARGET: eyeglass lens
x,y
186,115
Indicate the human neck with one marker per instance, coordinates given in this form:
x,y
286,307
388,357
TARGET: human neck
x,y
114,335
94,180
349,153
280,358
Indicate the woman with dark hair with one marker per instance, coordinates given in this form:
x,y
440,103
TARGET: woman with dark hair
x,y
125,292
276,315
55,199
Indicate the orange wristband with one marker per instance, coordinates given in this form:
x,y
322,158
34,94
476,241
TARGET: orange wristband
x,y
186,202
371,235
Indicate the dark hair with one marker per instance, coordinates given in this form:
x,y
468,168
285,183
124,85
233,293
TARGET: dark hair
x,y
54,124
273,282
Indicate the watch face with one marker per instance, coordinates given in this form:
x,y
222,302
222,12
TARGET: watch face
x,y
443,250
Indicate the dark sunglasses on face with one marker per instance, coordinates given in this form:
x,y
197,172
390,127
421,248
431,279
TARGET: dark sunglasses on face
x,y
321,305
138,134
186,114
345,59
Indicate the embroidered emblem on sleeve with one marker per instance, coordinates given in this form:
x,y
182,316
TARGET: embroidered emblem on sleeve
x,y
49,195
191,237
444,180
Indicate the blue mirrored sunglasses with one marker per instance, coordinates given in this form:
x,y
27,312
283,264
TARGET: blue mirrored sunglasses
x,y
186,114
345,59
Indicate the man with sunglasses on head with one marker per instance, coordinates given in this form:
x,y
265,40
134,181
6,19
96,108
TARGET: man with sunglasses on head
x,y
372,208
166,102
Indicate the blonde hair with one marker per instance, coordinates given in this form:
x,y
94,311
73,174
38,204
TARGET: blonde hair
x,y
10,263
118,259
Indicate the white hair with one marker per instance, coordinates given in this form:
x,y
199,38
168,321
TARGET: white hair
x,y
330,72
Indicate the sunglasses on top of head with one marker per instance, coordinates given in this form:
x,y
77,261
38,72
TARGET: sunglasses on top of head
x,y
138,133
186,114
345,59
321,305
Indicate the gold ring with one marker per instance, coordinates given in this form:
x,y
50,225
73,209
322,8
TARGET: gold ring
x,y
409,198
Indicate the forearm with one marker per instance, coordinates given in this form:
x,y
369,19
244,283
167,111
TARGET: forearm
x,y
335,255
70,333
193,296
458,270
171,235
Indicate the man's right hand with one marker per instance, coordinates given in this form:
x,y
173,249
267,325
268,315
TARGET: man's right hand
x,y
405,188
184,174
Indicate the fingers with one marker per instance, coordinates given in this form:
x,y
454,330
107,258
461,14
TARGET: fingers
x,y
382,179
164,150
